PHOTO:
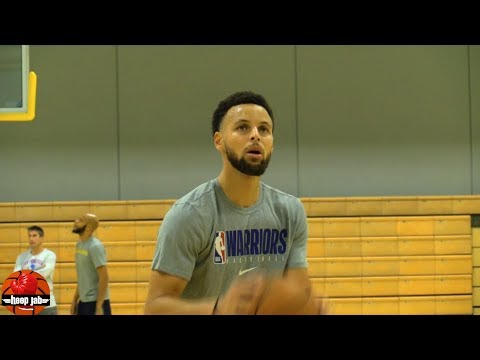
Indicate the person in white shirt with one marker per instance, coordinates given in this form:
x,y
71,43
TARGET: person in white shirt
x,y
40,260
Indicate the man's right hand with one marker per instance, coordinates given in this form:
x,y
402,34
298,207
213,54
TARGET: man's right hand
x,y
242,297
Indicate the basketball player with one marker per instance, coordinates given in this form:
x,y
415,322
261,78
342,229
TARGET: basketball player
x,y
92,295
220,246
41,260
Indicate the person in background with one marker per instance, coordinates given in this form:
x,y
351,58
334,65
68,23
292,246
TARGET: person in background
x,y
92,295
41,260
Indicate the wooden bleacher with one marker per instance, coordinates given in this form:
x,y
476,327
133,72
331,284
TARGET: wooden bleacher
x,y
389,265
391,255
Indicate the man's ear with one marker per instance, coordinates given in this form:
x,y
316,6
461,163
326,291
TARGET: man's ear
x,y
218,140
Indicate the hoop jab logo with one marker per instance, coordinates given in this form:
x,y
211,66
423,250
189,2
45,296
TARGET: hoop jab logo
x,y
25,292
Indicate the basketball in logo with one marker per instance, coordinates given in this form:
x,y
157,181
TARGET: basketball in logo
x,y
25,292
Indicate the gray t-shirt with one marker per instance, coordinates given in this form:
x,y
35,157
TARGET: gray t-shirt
x,y
208,240
89,255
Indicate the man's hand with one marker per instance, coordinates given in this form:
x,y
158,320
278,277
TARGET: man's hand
x,y
242,297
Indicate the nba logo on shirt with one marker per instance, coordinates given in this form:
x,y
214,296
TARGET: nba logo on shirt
x,y
220,254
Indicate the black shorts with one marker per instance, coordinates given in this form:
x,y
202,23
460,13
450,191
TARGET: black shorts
x,y
88,308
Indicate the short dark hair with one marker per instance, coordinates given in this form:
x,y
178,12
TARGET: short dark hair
x,y
36,228
241,97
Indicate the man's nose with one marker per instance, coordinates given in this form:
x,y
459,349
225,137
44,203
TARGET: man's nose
x,y
255,134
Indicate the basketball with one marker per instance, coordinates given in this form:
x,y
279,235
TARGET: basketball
x,y
281,297
25,285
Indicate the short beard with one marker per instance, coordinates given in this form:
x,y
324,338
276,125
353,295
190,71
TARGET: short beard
x,y
79,231
246,168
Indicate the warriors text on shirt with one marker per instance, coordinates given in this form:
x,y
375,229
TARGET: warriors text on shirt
x,y
253,241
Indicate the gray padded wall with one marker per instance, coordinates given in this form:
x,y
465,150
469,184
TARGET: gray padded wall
x,y
167,97
133,122
383,120
69,151
475,99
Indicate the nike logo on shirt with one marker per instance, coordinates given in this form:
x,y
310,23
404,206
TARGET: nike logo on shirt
x,y
241,272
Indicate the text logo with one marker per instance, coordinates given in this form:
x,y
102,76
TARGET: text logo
x,y
25,292
220,254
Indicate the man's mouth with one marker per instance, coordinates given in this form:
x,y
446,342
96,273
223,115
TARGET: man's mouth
x,y
255,150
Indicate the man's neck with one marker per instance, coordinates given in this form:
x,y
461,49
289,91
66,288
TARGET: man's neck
x,y
84,236
241,189
36,251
